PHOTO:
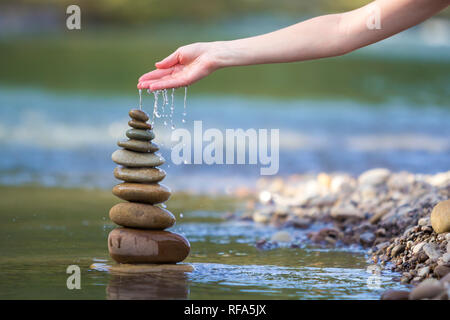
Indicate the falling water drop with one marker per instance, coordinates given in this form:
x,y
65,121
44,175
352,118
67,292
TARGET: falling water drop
x,y
184,106
172,108
165,101
181,216
156,114
140,99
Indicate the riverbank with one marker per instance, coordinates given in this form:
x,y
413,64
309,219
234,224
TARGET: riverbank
x,y
386,213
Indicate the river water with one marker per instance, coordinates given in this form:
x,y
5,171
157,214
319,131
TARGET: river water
x,y
38,246
66,140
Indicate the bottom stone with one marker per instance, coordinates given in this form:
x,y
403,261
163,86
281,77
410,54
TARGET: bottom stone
x,y
134,246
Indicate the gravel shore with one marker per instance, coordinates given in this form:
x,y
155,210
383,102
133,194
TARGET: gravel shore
x,y
389,214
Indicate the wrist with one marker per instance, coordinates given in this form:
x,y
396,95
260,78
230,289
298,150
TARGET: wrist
x,y
224,54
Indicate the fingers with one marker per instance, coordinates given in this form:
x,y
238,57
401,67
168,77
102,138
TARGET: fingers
x,y
169,83
145,84
168,62
155,74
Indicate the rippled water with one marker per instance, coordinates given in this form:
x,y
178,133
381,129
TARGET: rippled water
x,y
227,265
67,140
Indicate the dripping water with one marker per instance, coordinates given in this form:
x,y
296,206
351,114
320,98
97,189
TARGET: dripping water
x,y
140,99
172,108
184,107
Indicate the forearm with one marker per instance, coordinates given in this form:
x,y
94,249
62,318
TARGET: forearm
x,y
311,39
329,35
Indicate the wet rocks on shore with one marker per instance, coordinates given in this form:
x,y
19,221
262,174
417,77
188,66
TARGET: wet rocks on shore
x,y
401,218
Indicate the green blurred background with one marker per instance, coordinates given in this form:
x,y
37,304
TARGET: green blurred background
x,y
121,39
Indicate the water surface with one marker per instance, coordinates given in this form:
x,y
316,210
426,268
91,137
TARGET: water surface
x,y
43,231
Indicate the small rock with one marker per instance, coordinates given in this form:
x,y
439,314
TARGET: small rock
x,y
424,222
446,257
440,217
431,251
135,159
346,212
139,215
423,272
441,271
141,175
139,134
281,236
367,238
146,193
374,177
324,180
261,216
428,289
138,145
395,295
418,247
300,223
446,279
397,250
138,115
139,124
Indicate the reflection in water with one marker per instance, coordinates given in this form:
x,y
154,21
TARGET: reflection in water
x,y
160,285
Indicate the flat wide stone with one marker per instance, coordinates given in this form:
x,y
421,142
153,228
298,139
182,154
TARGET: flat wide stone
x,y
139,215
140,134
138,145
145,193
129,158
136,246
140,175
139,124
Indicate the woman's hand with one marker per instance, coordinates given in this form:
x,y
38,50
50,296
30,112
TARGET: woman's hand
x,y
185,66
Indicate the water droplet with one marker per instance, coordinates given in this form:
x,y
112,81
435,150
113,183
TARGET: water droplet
x,y
140,99
181,216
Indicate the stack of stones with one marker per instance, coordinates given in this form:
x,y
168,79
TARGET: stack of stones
x,y
141,239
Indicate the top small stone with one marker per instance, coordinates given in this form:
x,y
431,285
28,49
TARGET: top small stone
x,y
138,115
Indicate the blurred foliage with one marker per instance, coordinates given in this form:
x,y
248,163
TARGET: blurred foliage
x,y
138,11
111,62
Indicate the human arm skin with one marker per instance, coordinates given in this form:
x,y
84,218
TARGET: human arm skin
x,y
320,37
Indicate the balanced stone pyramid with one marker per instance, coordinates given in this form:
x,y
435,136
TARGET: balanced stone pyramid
x,y
142,239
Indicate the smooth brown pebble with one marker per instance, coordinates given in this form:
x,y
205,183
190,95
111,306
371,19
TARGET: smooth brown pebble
x,y
139,215
133,246
145,193
395,295
138,145
138,115
139,124
129,158
427,289
441,271
140,175
446,279
140,134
